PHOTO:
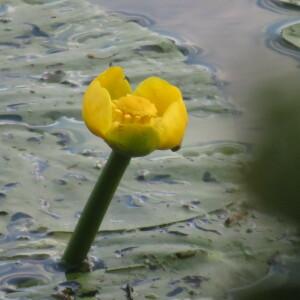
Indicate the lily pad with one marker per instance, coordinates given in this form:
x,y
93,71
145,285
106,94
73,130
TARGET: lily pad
x,y
154,190
291,2
178,224
291,35
160,262
52,59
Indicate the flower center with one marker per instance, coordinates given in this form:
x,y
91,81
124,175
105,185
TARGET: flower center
x,y
133,109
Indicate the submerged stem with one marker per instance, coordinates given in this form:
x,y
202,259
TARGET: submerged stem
x,y
95,209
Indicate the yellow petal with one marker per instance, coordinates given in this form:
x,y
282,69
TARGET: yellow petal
x,y
114,80
133,139
97,109
159,92
172,125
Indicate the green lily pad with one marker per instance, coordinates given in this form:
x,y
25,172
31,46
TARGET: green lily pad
x,y
164,262
291,34
177,226
51,60
52,186
291,2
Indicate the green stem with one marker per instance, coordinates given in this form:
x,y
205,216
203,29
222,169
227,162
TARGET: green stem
x,y
95,209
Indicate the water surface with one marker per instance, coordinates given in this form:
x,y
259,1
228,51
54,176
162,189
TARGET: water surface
x,y
231,34
234,37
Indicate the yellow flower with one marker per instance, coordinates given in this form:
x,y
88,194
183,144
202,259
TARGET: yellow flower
x,y
134,123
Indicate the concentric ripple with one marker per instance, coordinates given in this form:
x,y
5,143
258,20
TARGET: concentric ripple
x,y
136,18
17,277
279,7
275,42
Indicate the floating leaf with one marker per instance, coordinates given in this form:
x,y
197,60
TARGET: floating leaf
x,y
52,60
291,34
291,2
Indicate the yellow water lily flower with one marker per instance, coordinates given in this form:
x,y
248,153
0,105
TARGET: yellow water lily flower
x,y
136,122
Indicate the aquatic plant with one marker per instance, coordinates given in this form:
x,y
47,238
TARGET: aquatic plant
x,y
133,124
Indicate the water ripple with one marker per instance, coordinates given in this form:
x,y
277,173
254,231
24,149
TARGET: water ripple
x,y
136,18
275,42
19,276
279,7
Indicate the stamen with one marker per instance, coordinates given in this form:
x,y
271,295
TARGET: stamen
x,y
118,114
128,117
116,124
145,119
137,118
133,109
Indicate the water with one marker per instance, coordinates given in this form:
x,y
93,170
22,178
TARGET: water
x,y
178,225
237,40
232,35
